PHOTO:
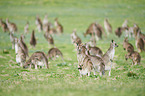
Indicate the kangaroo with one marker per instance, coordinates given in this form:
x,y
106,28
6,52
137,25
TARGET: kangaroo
x,y
11,26
118,32
37,59
38,23
97,32
26,28
75,38
107,26
55,52
45,23
4,26
12,39
125,24
88,63
95,51
59,27
20,56
134,56
127,45
49,38
16,45
139,43
24,46
89,30
33,39
109,55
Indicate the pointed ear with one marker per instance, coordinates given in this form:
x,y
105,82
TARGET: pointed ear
x,y
112,41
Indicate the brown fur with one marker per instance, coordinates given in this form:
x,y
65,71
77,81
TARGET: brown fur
x,y
39,24
88,63
127,45
54,52
11,26
33,39
4,26
134,56
37,58
59,27
24,46
49,38
109,55
107,26
26,28
118,32
75,38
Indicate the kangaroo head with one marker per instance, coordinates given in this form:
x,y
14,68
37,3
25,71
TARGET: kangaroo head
x,y
26,65
80,66
113,43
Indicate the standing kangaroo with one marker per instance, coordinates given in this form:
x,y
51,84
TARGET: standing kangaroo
x,y
109,55
37,59
59,27
118,32
107,26
139,43
26,28
75,38
24,46
38,23
49,38
33,39
11,26
4,26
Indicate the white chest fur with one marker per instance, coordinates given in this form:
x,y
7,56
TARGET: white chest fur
x,y
112,53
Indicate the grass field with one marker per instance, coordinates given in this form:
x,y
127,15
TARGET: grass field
x,y
64,79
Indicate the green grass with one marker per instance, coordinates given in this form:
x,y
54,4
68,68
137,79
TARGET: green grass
x,y
64,80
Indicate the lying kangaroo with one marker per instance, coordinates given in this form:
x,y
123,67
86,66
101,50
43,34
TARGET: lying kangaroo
x,y
33,39
59,27
95,51
11,26
107,26
37,59
24,46
88,63
139,43
26,28
127,45
4,26
109,55
38,23
20,55
55,52
118,32
134,56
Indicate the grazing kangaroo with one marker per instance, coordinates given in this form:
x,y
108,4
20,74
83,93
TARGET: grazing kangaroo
x,y
33,39
75,38
118,32
134,56
23,45
59,27
89,30
37,59
109,55
88,63
49,38
95,51
20,56
38,23
11,26
4,26
107,26
127,45
26,28
55,52
139,43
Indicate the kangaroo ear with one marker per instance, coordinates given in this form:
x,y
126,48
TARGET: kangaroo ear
x,y
112,41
